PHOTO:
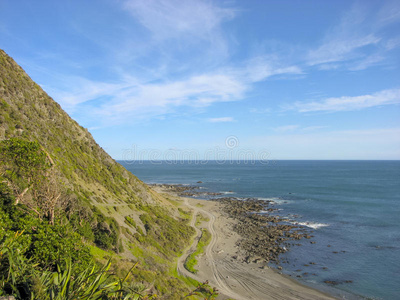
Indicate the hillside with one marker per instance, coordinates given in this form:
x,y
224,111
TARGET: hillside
x,y
114,212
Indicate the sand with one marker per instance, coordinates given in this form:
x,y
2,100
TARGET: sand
x,y
234,278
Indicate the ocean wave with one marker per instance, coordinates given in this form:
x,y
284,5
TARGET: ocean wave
x,y
311,224
227,193
277,201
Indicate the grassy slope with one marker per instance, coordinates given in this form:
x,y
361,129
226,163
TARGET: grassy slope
x,y
95,180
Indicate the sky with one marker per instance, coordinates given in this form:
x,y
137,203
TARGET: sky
x,y
193,79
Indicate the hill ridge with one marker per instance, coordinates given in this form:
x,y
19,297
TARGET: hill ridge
x,y
109,200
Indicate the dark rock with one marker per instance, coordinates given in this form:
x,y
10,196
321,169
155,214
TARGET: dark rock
x,y
262,235
331,282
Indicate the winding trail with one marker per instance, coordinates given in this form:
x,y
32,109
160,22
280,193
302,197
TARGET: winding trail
x,y
218,280
236,280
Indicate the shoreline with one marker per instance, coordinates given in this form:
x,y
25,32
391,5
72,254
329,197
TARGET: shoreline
x,y
233,277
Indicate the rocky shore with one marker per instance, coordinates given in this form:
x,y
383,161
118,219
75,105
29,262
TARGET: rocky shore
x,y
234,263
186,190
264,236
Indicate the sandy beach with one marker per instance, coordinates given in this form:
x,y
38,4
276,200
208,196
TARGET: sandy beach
x,y
234,278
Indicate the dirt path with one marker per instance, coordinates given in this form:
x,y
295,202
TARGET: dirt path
x,y
235,279
218,280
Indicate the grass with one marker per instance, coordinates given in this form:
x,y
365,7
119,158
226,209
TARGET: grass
x,y
191,260
201,218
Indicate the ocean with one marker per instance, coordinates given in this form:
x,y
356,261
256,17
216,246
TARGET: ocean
x,y
353,208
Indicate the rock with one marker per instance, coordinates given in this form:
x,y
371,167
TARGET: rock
x,y
262,235
199,181
331,282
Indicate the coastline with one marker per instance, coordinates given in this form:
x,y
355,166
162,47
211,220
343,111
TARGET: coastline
x,y
234,278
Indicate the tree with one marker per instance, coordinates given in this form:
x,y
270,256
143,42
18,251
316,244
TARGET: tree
x,y
29,171
23,164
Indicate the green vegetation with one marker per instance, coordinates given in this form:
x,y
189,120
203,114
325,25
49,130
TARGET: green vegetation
x,y
24,280
66,205
130,221
191,260
35,241
200,218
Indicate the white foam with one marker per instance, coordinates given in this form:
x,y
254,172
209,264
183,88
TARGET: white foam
x,y
227,193
311,224
276,201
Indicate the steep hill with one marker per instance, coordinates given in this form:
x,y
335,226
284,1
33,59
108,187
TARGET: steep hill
x,y
113,209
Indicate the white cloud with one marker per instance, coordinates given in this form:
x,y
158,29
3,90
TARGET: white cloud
x,y
172,18
346,103
340,48
261,67
196,91
389,13
356,42
221,120
128,96
369,61
392,43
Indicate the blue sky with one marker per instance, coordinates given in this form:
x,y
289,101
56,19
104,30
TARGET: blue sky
x,y
218,79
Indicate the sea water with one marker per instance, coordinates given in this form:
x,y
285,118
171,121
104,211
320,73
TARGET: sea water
x,y
352,207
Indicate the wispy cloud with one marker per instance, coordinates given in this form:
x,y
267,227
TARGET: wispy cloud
x,y
356,42
129,96
261,67
221,120
165,76
181,24
173,18
389,13
344,40
345,103
369,61
340,49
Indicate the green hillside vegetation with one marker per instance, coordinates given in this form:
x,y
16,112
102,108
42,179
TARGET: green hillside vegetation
x,y
66,206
